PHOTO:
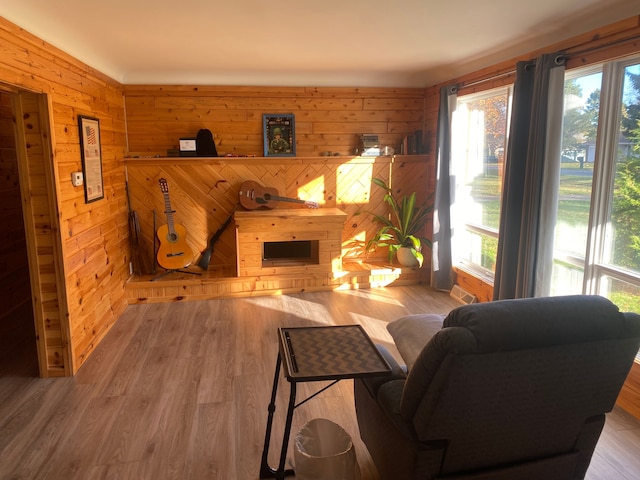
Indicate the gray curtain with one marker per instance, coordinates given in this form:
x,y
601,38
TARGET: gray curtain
x,y
532,173
441,263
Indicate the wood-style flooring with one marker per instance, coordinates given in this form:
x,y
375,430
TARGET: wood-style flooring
x,y
180,391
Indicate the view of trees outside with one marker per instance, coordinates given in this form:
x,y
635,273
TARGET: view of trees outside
x,y
624,233
479,138
579,130
625,251
622,236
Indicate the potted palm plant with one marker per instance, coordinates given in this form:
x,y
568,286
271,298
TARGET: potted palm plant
x,y
403,232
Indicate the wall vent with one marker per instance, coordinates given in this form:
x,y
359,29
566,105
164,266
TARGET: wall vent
x,y
462,295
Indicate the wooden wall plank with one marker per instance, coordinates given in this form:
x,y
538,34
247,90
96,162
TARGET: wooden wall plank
x,y
327,119
203,193
629,397
73,88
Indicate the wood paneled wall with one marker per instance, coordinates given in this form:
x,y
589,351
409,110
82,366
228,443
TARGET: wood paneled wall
x,y
93,237
326,119
203,192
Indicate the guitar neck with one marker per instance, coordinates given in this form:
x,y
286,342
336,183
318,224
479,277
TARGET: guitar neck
x,y
278,198
254,195
169,213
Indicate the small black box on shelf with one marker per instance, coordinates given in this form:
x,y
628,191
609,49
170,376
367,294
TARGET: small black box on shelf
x,y
188,147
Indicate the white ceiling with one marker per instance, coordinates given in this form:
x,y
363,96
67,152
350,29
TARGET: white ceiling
x,y
357,43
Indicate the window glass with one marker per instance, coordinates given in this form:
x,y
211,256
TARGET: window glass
x,y
625,295
579,137
597,246
622,247
482,249
597,233
479,136
566,278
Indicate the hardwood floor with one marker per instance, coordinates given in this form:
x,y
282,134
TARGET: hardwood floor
x,y
180,391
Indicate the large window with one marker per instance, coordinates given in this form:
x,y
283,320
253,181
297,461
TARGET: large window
x,y
478,149
579,138
597,232
597,238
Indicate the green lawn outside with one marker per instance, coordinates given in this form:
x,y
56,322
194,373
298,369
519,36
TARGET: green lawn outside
x,y
573,209
575,195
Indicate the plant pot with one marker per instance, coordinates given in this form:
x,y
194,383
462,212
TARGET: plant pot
x,y
405,257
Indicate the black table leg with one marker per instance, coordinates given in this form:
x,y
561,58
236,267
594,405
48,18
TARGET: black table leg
x,y
287,431
265,470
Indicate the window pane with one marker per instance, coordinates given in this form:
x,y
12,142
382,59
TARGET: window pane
x,y
566,278
579,136
481,249
623,233
479,135
625,295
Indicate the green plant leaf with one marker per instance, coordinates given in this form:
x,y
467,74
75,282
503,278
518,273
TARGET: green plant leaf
x,y
405,226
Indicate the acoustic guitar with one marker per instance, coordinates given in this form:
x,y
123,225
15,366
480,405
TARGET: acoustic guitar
x,y
173,252
253,195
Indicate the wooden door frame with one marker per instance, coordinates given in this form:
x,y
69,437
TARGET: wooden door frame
x,y
54,356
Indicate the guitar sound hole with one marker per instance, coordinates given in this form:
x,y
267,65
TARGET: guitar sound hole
x,y
267,196
172,237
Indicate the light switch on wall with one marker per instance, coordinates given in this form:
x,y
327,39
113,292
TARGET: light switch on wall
x,y
76,179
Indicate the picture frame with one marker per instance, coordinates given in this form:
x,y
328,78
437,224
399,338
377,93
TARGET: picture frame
x,y
279,135
90,147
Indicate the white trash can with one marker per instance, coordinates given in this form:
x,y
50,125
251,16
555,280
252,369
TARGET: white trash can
x,y
324,451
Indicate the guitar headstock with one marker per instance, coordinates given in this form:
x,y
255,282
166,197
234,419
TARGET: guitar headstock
x,y
311,204
164,186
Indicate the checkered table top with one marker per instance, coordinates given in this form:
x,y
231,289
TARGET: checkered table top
x,y
329,353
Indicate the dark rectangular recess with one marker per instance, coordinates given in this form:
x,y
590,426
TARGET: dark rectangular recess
x,y
295,252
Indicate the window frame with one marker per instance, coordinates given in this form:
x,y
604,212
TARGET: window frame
x,y
474,268
604,171
595,266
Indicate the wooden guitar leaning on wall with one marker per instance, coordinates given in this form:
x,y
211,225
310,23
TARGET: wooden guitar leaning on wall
x,y
173,252
253,195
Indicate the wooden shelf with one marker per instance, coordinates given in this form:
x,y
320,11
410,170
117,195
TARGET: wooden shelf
x,y
222,282
335,159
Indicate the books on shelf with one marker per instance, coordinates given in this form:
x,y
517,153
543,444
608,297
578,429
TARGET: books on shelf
x,y
412,144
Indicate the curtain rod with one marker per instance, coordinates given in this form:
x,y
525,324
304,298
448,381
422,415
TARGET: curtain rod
x,y
564,53
484,80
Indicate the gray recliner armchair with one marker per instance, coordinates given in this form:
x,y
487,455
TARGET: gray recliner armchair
x,y
506,390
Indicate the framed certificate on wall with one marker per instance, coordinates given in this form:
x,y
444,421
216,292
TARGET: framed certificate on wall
x,y
91,158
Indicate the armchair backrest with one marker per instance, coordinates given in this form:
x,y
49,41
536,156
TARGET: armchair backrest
x,y
546,367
